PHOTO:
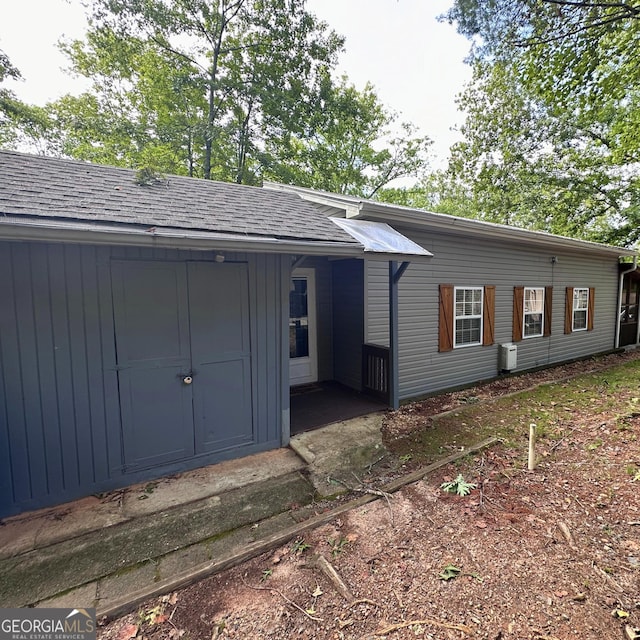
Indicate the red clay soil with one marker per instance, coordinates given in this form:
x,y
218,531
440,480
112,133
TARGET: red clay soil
x,y
551,554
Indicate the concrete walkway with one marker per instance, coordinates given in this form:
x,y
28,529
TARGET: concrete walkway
x,y
114,550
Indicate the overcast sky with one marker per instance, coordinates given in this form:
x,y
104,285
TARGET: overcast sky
x,y
414,61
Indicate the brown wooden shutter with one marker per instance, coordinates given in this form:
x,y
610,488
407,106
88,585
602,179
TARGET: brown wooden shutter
x,y
488,315
445,326
592,308
518,304
548,310
568,311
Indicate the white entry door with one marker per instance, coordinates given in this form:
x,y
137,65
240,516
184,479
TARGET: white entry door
x,y
303,356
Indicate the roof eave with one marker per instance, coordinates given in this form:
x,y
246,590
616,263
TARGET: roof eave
x,y
490,230
162,237
352,207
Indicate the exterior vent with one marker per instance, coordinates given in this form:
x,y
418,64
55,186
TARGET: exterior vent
x,y
507,357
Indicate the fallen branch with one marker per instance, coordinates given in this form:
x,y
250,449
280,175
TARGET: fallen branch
x,y
568,536
363,601
287,600
431,621
329,571
375,462
362,489
609,579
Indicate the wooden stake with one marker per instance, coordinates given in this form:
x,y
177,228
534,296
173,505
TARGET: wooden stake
x,y
327,568
532,446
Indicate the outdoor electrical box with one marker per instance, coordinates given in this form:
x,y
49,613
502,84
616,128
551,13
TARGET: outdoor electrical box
x,y
507,357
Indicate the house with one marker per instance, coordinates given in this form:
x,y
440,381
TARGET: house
x,y
487,286
144,324
151,324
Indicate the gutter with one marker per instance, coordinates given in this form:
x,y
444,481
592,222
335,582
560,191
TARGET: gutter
x,y
449,223
88,233
620,287
356,208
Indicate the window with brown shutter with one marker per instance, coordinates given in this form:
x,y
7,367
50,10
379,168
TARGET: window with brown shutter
x,y
466,316
579,309
532,312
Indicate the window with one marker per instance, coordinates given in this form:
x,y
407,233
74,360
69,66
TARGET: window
x,y
533,323
468,316
532,307
580,309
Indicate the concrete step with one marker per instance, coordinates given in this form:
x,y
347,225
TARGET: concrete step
x,y
37,575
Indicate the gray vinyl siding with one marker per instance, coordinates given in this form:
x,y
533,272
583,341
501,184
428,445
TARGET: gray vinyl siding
x,y
462,261
376,320
60,432
348,328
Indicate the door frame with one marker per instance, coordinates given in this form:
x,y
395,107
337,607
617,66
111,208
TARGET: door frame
x,y
305,370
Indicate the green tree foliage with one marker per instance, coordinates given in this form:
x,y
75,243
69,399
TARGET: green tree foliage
x,y
18,121
344,145
552,137
193,86
233,90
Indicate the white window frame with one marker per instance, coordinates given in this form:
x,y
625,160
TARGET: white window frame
x,y
526,313
456,317
574,308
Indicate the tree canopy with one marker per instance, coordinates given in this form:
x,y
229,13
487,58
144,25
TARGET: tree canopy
x,y
552,136
234,90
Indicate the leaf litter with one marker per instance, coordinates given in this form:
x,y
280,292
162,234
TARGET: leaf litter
x,y
549,554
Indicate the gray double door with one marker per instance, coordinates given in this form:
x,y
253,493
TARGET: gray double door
x,y
183,359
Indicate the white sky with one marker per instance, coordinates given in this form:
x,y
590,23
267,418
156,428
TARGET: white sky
x,y
414,62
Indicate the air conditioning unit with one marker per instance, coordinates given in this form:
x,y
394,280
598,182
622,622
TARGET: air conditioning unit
x,y
507,357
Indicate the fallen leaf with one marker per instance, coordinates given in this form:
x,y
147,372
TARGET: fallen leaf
x,y
481,524
128,631
318,592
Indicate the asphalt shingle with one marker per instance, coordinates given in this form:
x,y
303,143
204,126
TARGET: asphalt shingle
x,y
41,187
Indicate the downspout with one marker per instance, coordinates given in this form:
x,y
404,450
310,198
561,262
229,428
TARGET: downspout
x,y
620,287
395,273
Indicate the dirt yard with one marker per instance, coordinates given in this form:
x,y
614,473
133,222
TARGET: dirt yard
x,y
549,554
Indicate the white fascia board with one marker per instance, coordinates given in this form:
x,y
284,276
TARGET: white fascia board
x,y
333,204
474,228
418,218
89,233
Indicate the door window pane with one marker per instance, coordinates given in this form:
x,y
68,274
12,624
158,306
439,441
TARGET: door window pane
x,y
298,319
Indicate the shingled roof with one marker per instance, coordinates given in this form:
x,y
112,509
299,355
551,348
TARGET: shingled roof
x,y
38,187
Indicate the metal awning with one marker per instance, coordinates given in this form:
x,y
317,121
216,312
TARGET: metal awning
x,y
380,239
